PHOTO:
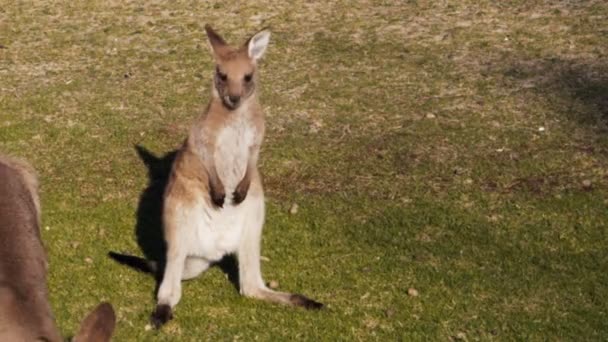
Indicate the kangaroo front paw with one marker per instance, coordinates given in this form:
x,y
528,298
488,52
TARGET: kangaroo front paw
x,y
238,196
305,302
162,314
217,197
241,190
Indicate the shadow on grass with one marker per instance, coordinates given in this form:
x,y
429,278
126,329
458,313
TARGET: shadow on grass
x,y
149,226
230,267
578,88
589,86
149,229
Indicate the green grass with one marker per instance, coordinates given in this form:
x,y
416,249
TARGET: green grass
x,y
454,147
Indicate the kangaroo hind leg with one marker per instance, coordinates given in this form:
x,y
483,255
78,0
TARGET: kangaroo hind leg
x,y
170,290
250,274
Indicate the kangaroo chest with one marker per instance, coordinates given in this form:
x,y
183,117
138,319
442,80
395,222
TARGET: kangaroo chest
x,y
232,152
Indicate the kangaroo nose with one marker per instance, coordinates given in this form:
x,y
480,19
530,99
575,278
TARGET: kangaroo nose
x,y
234,99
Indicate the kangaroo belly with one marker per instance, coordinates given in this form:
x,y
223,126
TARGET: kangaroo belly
x,y
216,232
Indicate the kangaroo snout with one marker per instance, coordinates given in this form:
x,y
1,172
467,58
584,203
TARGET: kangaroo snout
x,y
232,101
234,98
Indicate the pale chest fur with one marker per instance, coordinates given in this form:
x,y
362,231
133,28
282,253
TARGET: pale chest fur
x,y
232,151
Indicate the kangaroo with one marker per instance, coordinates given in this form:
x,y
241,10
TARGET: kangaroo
x,y
25,311
214,201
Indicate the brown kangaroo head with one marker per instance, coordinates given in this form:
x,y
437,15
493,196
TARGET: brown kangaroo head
x,y
234,79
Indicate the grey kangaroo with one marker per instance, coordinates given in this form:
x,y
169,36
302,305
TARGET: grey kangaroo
x,y
25,311
214,200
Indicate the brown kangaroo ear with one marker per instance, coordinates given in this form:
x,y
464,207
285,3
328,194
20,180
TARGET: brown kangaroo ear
x,y
216,42
98,326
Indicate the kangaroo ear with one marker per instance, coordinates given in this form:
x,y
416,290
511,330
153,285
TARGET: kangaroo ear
x,y
216,42
146,156
98,326
256,45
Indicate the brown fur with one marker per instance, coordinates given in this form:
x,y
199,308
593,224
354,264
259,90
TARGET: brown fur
x,y
98,326
25,312
24,308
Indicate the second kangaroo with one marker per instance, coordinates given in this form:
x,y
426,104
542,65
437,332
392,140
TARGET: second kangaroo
x,y
214,201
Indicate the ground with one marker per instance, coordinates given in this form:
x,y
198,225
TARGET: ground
x,y
448,160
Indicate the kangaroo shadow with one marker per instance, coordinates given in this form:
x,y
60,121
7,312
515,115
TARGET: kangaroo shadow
x,y
149,226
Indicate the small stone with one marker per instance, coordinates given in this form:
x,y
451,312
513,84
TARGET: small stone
x,y
541,129
468,181
586,184
273,284
256,18
430,116
461,336
148,327
294,209
412,292
88,260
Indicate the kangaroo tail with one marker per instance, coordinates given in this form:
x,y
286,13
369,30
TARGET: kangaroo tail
x,y
135,262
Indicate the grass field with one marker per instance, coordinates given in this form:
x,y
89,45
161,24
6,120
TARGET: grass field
x,y
458,148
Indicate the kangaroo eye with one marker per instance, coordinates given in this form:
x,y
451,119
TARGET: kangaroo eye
x,y
248,77
221,75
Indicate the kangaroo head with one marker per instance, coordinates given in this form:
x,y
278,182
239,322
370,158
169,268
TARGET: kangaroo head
x,y
235,68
